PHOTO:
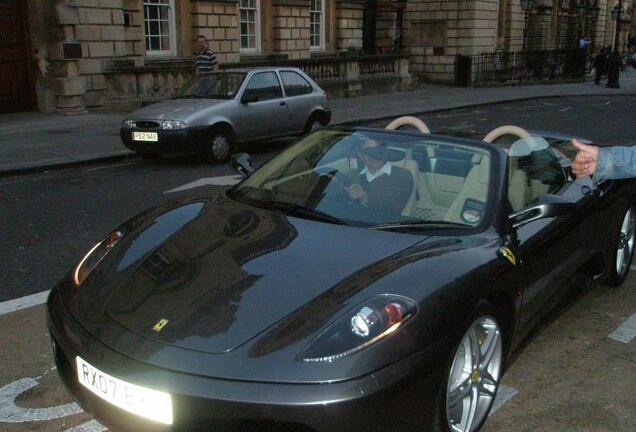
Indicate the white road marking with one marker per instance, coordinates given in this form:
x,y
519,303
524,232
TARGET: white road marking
x,y
565,109
23,302
91,426
208,181
11,413
626,331
504,394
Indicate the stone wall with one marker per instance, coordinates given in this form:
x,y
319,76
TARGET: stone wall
x,y
291,28
218,22
349,25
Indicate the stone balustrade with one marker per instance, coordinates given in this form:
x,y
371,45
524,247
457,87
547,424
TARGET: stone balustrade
x,y
341,76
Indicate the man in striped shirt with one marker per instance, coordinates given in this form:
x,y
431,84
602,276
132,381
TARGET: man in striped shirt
x,y
206,59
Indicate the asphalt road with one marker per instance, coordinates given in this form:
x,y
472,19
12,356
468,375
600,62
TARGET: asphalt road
x,y
570,377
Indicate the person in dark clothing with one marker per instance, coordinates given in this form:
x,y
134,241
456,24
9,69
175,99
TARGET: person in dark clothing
x,y
383,188
206,61
600,65
614,64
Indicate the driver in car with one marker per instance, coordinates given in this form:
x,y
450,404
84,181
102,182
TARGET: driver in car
x,y
381,187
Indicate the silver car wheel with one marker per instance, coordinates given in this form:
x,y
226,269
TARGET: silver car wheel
x,y
625,245
474,376
315,125
220,147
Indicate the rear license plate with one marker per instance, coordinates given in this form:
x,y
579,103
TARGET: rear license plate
x,y
142,401
146,136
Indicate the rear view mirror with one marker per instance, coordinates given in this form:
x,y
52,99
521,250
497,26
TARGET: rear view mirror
x,y
242,164
547,206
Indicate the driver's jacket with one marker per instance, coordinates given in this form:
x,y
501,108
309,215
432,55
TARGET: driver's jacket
x,y
615,163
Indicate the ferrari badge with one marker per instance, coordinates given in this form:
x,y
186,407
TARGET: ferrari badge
x,y
160,325
507,253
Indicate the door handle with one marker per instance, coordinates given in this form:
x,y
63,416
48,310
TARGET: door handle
x,y
283,103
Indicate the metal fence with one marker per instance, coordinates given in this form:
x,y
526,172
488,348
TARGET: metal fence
x,y
511,67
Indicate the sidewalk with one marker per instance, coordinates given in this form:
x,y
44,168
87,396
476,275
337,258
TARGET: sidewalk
x,y
36,141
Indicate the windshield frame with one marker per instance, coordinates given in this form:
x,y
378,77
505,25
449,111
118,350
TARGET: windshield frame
x,y
495,187
239,87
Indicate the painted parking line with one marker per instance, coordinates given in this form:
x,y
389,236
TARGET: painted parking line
x,y
23,302
208,181
504,394
626,332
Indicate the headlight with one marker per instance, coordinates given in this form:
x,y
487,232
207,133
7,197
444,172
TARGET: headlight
x,y
173,124
361,327
128,124
94,257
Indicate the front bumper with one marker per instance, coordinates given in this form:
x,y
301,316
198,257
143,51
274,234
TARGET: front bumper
x,y
188,140
399,397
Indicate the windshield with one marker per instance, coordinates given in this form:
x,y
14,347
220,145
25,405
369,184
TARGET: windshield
x,y
375,179
215,85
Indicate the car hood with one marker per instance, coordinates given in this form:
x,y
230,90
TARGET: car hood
x,y
176,109
218,273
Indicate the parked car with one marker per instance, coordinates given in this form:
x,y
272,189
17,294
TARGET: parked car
x,y
286,302
221,109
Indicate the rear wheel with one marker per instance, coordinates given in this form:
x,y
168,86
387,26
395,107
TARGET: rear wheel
x,y
314,123
472,376
623,253
218,146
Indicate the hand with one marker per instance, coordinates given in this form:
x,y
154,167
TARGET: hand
x,y
586,159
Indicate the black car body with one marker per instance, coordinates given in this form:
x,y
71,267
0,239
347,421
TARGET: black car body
x,y
246,290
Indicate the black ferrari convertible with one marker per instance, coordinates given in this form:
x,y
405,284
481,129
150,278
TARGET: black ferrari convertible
x,y
362,280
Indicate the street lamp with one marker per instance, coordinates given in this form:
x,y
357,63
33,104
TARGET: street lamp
x,y
526,6
617,12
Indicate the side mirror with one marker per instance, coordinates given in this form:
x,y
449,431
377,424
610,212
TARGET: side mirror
x,y
242,164
248,98
547,206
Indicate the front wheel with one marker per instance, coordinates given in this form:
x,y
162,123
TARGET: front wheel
x,y
472,379
623,253
218,147
314,123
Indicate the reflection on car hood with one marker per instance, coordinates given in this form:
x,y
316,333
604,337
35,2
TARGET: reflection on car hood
x,y
226,273
176,109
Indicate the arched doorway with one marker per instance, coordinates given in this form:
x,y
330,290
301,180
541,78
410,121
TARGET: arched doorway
x,y
16,86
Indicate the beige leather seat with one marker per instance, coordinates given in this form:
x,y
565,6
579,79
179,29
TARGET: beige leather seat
x,y
475,187
518,188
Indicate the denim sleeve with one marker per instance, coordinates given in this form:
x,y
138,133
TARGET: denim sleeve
x,y
615,163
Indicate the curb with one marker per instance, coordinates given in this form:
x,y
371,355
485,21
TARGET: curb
x,y
46,166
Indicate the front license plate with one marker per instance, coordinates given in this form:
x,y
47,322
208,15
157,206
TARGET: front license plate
x,y
142,401
146,136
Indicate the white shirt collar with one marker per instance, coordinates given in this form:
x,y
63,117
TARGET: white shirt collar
x,y
386,169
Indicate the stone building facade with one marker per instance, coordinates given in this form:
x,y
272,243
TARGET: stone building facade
x,y
77,55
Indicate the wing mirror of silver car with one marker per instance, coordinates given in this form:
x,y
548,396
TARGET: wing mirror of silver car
x,y
247,99
546,206
242,164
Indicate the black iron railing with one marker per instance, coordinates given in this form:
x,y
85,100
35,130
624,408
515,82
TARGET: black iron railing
x,y
510,67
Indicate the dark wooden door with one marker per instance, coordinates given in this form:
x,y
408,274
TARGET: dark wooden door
x,y
16,90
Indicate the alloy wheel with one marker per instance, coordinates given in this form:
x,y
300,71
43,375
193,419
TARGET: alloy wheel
x,y
625,246
315,125
220,147
474,376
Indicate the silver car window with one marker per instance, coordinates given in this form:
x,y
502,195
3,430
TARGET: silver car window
x,y
295,85
263,86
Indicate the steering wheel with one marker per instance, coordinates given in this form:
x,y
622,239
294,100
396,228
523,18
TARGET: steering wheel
x,y
408,121
497,133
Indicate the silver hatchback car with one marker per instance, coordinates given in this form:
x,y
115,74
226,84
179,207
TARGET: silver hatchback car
x,y
221,109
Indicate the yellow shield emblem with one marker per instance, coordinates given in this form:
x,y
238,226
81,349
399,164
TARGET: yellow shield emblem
x,y
160,325
507,253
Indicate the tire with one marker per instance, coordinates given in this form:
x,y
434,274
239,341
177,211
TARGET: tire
x,y
315,122
470,382
623,253
218,147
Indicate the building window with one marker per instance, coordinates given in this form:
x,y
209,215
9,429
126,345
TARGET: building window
x,y
249,18
316,24
159,26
